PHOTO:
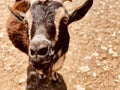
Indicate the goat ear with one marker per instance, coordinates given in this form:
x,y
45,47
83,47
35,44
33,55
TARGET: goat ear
x,y
80,12
18,15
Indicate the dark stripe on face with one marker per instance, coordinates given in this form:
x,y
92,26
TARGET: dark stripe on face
x,y
44,14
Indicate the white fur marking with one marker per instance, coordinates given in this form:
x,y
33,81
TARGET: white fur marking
x,y
58,64
60,13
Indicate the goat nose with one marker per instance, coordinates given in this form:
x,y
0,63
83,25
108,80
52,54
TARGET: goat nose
x,y
41,48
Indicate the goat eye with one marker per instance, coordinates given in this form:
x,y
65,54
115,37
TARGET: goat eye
x,y
65,20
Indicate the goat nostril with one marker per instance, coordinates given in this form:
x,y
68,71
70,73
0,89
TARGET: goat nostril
x,y
32,52
43,51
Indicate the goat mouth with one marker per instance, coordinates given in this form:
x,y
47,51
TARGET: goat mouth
x,y
42,65
43,61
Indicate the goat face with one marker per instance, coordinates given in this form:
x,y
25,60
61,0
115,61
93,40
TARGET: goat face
x,y
49,33
49,37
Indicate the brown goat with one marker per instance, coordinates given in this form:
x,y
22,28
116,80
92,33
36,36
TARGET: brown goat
x,y
46,41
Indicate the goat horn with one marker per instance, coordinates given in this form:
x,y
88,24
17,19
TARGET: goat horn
x,y
61,1
67,0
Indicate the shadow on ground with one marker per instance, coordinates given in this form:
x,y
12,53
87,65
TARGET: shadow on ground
x,y
34,83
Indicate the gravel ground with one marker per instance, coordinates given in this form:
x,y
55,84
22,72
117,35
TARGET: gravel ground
x,y
93,58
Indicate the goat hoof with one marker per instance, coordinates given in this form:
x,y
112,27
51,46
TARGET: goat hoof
x,y
42,76
54,76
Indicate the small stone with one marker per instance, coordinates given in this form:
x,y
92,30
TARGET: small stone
x,y
95,54
103,47
1,35
22,80
119,76
84,68
70,53
79,87
94,74
114,34
99,39
106,68
113,53
87,57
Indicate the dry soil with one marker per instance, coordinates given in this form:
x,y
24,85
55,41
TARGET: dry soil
x,y
93,58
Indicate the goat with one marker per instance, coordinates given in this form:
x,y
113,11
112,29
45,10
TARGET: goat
x,y
46,39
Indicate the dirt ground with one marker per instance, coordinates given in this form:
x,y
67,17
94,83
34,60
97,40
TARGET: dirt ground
x,y
93,58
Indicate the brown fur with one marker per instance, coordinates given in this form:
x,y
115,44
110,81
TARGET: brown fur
x,y
17,30
22,6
